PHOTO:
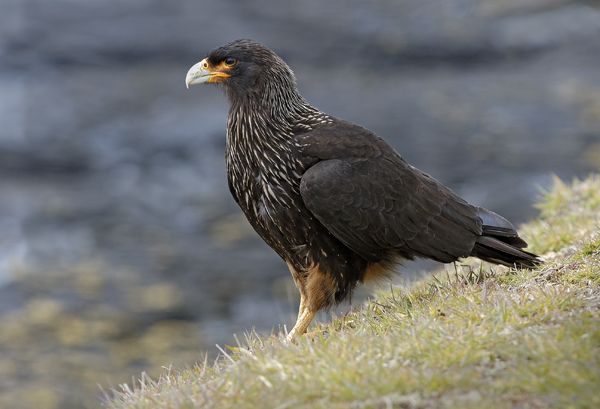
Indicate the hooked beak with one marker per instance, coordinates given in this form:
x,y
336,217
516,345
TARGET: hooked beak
x,y
203,72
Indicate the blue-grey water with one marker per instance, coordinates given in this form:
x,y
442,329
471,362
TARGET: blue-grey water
x,y
120,248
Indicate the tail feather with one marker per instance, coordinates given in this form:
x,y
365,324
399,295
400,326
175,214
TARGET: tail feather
x,y
495,251
505,235
500,243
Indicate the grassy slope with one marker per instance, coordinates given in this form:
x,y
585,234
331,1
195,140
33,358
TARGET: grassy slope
x,y
469,337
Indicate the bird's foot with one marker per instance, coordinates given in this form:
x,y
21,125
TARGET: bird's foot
x,y
304,319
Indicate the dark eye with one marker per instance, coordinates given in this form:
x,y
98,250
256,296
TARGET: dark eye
x,y
230,61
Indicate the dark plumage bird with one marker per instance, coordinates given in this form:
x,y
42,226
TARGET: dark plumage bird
x,y
334,200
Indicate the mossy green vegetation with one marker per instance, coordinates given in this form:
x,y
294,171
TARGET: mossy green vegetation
x,y
469,336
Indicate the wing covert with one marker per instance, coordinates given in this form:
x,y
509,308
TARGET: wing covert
x,y
381,203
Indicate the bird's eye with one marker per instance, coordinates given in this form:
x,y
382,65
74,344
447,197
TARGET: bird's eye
x,y
230,61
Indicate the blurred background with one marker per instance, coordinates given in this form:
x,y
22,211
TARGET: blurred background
x,y
121,250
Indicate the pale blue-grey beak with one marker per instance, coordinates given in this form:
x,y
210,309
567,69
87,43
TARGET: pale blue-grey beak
x,y
202,72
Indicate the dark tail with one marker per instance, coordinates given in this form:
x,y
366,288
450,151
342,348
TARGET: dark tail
x,y
500,243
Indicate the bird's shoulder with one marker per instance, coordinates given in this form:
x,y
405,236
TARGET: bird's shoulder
x,y
342,139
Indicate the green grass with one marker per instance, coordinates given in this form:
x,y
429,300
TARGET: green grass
x,y
470,336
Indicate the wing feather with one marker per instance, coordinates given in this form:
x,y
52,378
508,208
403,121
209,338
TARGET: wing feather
x,y
376,202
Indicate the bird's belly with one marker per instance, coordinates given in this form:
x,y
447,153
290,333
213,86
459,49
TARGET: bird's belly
x,y
286,229
276,212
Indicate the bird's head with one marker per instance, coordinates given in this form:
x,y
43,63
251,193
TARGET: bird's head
x,y
243,67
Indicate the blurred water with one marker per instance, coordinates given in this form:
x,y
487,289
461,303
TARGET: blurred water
x,y
121,250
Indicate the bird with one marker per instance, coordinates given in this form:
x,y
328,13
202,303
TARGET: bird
x,y
335,201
